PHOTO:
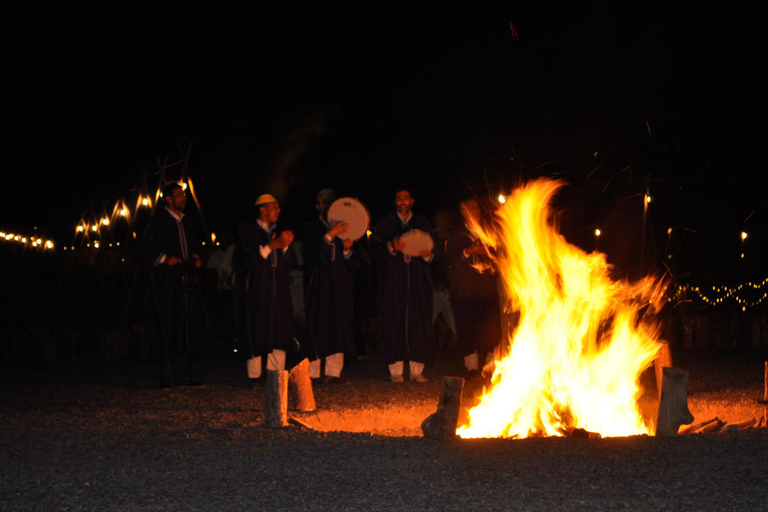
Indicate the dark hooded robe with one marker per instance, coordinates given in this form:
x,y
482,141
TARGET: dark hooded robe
x,y
328,294
405,294
269,309
474,295
175,291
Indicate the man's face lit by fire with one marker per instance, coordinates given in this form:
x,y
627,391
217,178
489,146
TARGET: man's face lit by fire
x,y
178,200
268,213
403,203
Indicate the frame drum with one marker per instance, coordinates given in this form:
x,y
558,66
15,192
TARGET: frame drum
x,y
354,213
416,241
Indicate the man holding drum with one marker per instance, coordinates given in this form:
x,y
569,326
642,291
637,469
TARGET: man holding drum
x,y
328,270
403,249
267,256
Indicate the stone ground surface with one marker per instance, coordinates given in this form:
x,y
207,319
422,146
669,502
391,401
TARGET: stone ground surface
x,y
103,437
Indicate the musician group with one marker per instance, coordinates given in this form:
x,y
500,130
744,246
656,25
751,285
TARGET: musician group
x,y
403,244
407,252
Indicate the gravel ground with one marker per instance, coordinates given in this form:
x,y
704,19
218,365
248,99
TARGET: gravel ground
x,y
91,437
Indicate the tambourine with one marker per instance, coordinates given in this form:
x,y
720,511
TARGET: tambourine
x,y
416,241
354,213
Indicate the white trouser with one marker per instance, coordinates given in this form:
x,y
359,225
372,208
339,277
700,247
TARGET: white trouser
x,y
414,367
333,366
275,362
472,362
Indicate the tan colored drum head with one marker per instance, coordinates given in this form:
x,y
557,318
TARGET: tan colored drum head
x,y
354,213
416,241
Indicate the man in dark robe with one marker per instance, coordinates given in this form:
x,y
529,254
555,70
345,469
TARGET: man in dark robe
x,y
405,292
267,256
474,292
329,265
170,248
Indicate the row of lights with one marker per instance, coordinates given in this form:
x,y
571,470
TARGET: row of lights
x,y
724,293
33,241
96,244
121,210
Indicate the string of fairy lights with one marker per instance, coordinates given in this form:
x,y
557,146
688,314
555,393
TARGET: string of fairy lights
x,y
720,295
27,241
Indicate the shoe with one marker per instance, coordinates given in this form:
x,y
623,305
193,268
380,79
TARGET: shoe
x,y
164,384
256,383
397,378
191,383
417,377
335,380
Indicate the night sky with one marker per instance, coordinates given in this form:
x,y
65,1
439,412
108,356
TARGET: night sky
x,y
290,97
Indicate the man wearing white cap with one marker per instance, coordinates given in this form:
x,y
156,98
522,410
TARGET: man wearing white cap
x,y
267,256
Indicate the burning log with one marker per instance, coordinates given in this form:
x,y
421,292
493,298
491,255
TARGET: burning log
x,y
663,360
580,432
690,429
728,428
443,423
673,405
747,424
712,427
276,404
300,385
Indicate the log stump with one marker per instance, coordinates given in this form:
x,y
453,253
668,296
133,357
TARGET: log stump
x,y
443,423
300,386
276,403
663,360
673,405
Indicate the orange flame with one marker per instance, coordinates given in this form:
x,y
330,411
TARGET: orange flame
x,y
577,354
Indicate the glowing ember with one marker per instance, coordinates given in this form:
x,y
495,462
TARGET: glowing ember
x,y
577,354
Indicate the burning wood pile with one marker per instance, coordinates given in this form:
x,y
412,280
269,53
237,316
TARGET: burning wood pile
x,y
572,366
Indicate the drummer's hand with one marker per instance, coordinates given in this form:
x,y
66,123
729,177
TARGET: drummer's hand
x,y
197,262
338,228
173,260
426,253
397,244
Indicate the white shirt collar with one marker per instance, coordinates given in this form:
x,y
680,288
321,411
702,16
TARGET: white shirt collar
x,y
174,215
263,225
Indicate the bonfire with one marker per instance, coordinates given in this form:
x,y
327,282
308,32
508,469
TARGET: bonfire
x,y
583,338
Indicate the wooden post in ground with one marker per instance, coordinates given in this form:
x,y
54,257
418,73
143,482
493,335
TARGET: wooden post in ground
x,y
443,423
673,405
765,393
300,385
663,360
276,403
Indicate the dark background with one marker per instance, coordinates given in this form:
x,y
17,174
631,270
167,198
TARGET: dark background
x,y
617,100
